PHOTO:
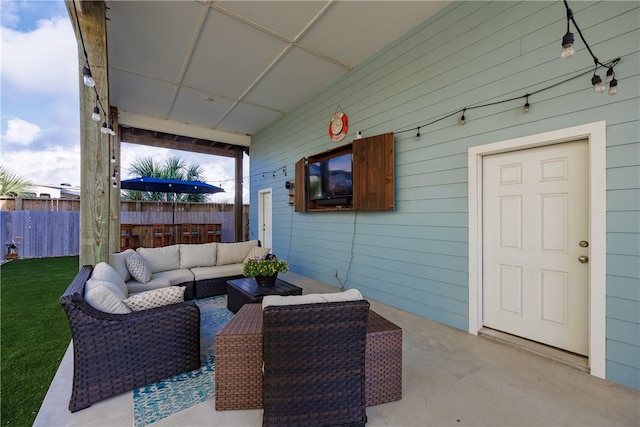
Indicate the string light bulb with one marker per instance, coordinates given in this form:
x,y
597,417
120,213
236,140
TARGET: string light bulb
x,y
568,39
95,116
596,81
567,44
88,79
113,160
104,129
613,87
610,74
526,105
418,135
462,118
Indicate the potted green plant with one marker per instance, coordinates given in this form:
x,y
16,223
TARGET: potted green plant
x,y
265,270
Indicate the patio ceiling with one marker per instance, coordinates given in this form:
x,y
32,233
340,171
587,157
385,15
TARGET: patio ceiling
x,y
221,71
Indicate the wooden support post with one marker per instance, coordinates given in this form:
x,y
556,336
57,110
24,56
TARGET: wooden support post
x,y
89,23
237,205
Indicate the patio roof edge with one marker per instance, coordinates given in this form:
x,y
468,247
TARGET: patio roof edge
x,y
127,118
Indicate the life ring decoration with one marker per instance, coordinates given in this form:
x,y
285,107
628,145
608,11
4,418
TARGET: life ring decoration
x,y
338,127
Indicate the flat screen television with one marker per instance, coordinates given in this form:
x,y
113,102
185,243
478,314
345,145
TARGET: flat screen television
x,y
330,181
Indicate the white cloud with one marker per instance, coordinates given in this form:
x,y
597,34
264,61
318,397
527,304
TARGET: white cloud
x,y
20,132
53,165
44,60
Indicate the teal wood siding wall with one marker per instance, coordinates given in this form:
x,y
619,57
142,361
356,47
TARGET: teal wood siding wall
x,y
471,53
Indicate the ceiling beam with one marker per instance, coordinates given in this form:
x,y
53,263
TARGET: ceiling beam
x,y
177,142
141,121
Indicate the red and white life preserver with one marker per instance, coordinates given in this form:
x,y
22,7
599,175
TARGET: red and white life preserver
x,y
338,127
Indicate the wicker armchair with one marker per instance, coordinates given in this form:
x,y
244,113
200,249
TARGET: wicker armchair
x,y
314,364
114,353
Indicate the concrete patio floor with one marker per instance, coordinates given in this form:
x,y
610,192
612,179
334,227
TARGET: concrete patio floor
x,y
449,378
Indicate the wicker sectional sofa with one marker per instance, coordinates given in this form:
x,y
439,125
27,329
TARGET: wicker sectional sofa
x,y
202,268
129,333
111,352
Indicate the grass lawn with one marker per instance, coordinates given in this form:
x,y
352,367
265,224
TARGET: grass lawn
x,y
34,332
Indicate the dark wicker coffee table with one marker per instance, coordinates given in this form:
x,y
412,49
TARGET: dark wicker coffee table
x,y
246,291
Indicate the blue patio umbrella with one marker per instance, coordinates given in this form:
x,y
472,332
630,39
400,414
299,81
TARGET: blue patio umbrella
x,y
165,185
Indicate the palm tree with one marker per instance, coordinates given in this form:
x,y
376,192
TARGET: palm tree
x,y
173,168
12,184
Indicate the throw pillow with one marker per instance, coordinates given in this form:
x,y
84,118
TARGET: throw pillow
x,y
256,252
105,296
155,298
138,268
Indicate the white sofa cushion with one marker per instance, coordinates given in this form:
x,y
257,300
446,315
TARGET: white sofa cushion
x,y
256,252
105,272
138,268
117,261
156,298
105,296
203,273
349,295
161,259
162,279
200,255
175,277
233,253
136,287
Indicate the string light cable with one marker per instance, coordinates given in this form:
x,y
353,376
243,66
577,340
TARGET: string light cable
x,y
568,51
90,82
525,97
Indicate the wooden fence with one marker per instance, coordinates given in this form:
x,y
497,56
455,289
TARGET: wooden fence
x,y
51,227
41,234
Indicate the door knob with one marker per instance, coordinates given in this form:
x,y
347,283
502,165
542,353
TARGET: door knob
x,y
583,259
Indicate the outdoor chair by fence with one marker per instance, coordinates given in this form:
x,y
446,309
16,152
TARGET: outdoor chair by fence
x,y
161,235
128,239
189,233
214,233
314,364
115,353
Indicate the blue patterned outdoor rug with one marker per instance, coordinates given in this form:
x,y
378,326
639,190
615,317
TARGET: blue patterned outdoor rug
x,y
157,401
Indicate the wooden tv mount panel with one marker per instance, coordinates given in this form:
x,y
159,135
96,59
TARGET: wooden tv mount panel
x,y
372,177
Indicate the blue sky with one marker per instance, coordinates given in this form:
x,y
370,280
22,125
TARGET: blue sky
x,y
39,102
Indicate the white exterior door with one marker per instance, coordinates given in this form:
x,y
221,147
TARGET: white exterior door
x,y
535,244
264,218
